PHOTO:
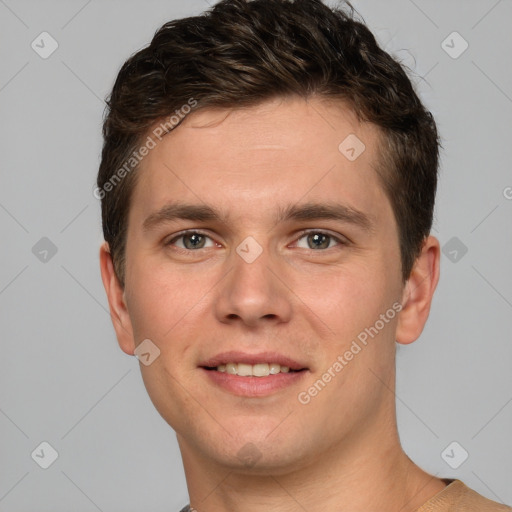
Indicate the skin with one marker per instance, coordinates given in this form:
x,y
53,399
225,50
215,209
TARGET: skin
x,y
341,451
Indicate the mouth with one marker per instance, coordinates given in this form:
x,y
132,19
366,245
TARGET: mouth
x,y
253,375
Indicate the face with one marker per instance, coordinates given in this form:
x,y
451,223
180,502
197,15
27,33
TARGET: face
x,y
254,239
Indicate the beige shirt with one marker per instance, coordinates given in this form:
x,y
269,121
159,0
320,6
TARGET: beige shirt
x,y
457,497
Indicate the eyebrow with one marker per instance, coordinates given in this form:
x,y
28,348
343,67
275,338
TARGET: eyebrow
x,y
309,211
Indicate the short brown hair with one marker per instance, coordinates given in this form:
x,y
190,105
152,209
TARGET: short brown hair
x,y
243,52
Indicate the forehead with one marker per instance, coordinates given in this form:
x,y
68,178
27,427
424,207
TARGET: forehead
x,y
276,153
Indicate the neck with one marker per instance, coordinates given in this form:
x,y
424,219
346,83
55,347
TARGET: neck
x,y
368,472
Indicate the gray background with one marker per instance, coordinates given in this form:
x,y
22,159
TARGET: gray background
x,y
63,378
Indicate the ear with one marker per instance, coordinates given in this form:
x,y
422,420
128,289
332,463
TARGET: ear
x,y
418,292
116,300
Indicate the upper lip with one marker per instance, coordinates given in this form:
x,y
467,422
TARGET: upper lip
x,y
243,357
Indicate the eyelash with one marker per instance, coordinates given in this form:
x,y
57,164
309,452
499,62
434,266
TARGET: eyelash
x,y
342,241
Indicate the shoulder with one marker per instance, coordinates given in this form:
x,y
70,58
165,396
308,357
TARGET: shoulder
x,y
456,496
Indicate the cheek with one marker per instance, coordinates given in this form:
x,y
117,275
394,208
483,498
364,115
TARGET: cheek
x,y
170,307
348,298
350,302
358,356
156,299
162,306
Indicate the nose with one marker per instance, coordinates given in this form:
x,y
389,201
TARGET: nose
x,y
252,294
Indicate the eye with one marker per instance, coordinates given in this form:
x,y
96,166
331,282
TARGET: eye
x,y
318,240
191,240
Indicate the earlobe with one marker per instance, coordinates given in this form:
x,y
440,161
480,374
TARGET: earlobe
x,y
116,300
418,292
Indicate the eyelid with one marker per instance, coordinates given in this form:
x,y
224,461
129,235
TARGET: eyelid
x,y
180,234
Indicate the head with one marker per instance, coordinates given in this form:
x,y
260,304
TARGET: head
x,y
303,165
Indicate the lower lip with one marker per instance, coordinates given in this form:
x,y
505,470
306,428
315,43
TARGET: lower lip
x,y
253,386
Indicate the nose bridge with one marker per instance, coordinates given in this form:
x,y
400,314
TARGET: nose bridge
x,y
251,292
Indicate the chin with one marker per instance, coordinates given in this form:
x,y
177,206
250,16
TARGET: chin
x,y
258,453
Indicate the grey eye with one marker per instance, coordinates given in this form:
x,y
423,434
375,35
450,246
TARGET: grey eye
x,y
194,241
317,240
191,241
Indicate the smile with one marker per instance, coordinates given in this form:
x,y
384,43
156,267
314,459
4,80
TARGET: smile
x,y
253,375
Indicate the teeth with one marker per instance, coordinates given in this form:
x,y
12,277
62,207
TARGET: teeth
x,y
274,368
252,370
230,368
244,370
260,370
